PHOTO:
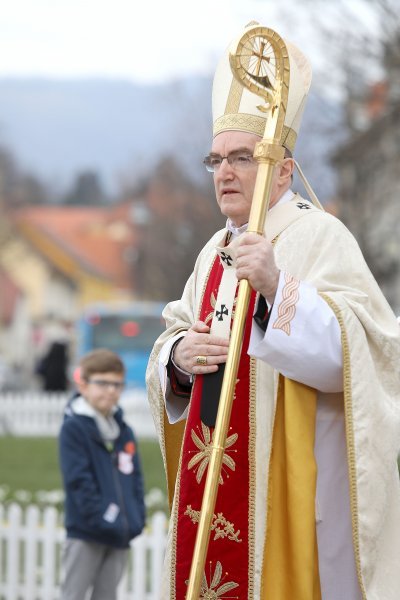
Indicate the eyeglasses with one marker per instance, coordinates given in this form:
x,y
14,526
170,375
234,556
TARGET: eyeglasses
x,y
103,384
237,160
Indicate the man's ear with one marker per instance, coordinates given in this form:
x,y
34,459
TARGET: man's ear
x,y
287,168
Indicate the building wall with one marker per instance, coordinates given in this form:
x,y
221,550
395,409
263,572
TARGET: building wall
x,y
48,297
28,271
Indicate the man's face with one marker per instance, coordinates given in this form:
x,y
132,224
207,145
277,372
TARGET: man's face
x,y
102,390
234,187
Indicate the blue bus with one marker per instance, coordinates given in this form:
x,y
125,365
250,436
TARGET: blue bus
x,y
130,331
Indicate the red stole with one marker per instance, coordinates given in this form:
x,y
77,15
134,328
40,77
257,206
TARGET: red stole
x,y
229,559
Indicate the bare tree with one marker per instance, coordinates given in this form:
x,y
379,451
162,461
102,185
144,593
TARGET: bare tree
x,y
16,187
181,218
86,190
361,41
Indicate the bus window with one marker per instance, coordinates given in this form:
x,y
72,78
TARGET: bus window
x,y
125,333
129,333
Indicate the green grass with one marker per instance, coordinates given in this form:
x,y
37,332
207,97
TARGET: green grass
x,y
31,464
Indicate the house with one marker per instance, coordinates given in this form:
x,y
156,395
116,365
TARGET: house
x,y
56,260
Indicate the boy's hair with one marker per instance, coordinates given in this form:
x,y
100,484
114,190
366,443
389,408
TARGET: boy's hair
x,y
100,361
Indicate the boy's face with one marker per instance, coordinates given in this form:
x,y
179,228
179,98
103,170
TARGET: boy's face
x,y
102,390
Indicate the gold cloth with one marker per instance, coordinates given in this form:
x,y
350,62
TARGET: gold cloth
x,y
290,568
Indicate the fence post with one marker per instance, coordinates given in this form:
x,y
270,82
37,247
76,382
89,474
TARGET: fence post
x,y
12,556
31,551
49,552
156,537
139,547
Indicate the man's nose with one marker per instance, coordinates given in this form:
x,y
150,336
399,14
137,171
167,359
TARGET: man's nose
x,y
225,168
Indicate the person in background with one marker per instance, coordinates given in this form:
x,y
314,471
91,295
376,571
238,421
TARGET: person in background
x,y
53,339
53,367
103,481
308,503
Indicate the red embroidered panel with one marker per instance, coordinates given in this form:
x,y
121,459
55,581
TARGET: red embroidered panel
x,y
227,563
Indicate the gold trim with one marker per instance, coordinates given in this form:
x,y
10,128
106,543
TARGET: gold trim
x,y
276,393
205,285
240,122
234,97
213,302
351,453
163,446
288,138
252,472
252,124
175,514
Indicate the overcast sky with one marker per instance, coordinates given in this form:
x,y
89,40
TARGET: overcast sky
x,y
146,40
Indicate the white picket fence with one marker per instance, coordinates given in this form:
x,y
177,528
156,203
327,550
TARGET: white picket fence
x,y
40,414
30,556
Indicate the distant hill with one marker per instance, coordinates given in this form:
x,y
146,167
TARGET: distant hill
x,y
56,128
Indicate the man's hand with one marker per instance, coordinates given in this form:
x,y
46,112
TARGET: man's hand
x,y
255,262
199,342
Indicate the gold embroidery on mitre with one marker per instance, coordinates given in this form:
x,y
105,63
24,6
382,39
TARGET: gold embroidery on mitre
x,y
226,531
216,588
287,308
234,97
253,124
235,93
203,441
240,121
288,138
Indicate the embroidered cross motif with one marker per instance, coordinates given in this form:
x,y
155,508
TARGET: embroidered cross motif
x,y
220,525
220,313
303,205
202,455
226,258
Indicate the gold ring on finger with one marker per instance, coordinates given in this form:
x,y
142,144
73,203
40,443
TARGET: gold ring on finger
x,y
201,360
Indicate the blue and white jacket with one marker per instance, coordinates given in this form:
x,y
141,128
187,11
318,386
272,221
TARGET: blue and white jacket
x,y
104,495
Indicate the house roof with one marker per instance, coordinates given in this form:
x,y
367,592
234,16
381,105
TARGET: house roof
x,y
95,240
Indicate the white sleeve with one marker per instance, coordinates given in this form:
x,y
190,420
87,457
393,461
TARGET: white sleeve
x,y
303,337
176,407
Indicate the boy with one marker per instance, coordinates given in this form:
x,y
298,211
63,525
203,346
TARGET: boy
x,y
104,503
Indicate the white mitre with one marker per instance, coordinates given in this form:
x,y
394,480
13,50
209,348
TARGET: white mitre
x,y
236,108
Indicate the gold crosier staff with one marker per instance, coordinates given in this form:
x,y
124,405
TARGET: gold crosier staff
x,y
260,62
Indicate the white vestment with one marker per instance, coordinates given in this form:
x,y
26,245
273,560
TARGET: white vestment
x,y
357,431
